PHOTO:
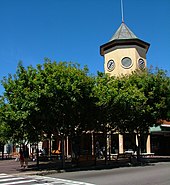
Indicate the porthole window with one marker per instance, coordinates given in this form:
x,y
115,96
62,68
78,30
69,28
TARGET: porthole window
x,y
126,62
141,63
110,65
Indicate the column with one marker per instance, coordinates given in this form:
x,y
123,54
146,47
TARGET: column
x,y
136,140
120,143
67,146
136,144
148,144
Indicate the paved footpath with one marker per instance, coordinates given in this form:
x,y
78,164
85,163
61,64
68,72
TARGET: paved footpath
x,y
13,167
9,166
11,173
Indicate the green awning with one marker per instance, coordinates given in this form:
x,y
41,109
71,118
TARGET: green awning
x,y
155,129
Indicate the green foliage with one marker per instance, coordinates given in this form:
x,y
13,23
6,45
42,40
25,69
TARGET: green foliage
x,y
53,97
105,91
61,98
133,102
5,130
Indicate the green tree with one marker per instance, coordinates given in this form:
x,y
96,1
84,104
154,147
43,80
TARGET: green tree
x,y
105,92
5,130
67,98
51,98
143,100
21,97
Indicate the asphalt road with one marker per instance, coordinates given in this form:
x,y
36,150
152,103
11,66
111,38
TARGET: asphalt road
x,y
154,174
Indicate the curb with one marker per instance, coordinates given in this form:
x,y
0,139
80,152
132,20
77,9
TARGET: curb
x,y
46,172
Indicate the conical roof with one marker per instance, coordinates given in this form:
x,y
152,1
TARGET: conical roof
x,y
123,32
123,36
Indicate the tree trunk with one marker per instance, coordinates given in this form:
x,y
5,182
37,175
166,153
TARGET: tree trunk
x,y
50,146
2,151
37,156
105,151
63,151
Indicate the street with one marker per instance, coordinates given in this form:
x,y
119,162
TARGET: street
x,y
6,179
154,174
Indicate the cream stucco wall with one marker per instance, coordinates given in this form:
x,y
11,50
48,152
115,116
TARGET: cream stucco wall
x,y
118,53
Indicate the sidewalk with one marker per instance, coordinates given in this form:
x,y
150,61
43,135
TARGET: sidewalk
x,y
10,166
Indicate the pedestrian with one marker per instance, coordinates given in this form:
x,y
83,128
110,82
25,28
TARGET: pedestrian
x,y
21,157
26,156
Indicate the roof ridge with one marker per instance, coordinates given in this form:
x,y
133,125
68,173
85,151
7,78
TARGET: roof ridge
x,y
120,30
128,30
123,32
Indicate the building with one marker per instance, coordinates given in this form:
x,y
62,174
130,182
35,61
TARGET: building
x,y
160,139
124,52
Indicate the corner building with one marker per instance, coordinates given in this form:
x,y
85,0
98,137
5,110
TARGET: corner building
x,y
123,54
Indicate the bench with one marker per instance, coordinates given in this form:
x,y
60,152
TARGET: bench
x,y
113,156
121,156
124,156
145,155
86,158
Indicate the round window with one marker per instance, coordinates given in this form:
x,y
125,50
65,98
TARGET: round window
x,y
110,65
141,63
126,62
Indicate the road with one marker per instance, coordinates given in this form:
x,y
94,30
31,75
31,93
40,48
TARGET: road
x,y
12,179
154,174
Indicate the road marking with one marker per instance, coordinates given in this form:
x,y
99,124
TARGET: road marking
x,y
64,181
11,179
6,179
3,176
17,182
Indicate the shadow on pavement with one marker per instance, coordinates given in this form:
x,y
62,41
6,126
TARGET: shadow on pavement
x,y
12,166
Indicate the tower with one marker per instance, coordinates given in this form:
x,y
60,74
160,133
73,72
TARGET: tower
x,y
124,52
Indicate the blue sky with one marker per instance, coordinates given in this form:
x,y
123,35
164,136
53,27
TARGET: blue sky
x,y
73,30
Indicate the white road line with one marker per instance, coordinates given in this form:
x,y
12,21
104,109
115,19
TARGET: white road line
x,y
65,181
11,179
5,176
17,182
6,179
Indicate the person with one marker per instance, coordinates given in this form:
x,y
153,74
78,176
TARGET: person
x,y
21,157
26,156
